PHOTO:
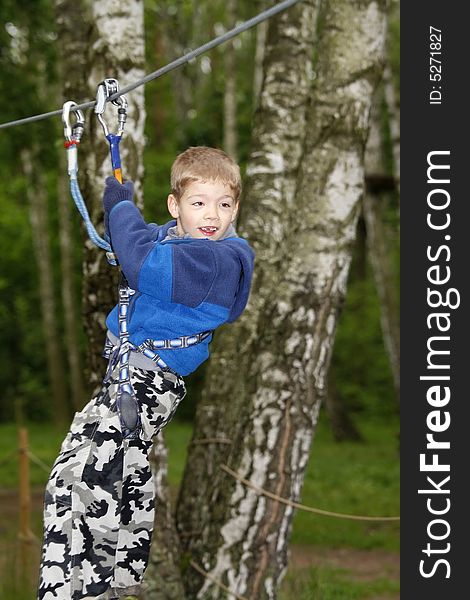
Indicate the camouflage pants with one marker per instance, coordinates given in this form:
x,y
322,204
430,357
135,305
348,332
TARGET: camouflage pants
x,y
99,500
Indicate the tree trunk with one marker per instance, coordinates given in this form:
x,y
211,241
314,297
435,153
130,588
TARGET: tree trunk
x,y
115,49
379,252
67,270
230,89
393,109
110,34
177,31
342,426
261,32
36,192
277,140
268,377
392,97
163,577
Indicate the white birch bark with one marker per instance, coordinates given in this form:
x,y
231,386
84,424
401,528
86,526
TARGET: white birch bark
x,y
115,49
106,39
278,136
271,385
392,99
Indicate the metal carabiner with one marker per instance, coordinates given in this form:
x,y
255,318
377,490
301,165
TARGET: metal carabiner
x,y
106,89
73,135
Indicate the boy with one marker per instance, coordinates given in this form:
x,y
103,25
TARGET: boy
x,y
185,278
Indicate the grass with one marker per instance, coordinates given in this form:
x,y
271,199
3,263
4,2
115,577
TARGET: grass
x,y
334,584
348,477
352,478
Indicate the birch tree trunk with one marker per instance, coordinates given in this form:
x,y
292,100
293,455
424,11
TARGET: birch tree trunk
x,y
180,30
379,248
230,89
175,29
108,38
393,109
73,20
277,140
115,49
392,98
37,199
260,43
267,379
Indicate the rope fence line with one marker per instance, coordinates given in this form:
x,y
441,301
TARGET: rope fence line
x,y
311,509
28,537
216,581
32,456
39,462
246,482
228,35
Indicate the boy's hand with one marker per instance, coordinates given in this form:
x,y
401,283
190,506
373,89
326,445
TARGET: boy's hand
x,y
116,192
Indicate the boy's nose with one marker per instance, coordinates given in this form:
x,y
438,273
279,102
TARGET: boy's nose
x,y
212,215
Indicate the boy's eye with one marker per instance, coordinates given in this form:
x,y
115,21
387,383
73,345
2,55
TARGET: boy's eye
x,y
226,205
197,203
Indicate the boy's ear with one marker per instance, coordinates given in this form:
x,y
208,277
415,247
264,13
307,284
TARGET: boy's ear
x,y
235,211
173,208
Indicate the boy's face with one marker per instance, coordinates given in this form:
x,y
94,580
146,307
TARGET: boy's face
x,y
205,210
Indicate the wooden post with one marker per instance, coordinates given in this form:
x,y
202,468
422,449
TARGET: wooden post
x,y
24,536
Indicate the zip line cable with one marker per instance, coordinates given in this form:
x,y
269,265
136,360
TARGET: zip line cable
x,y
228,35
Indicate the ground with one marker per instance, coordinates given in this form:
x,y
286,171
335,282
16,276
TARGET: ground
x,y
366,565
361,565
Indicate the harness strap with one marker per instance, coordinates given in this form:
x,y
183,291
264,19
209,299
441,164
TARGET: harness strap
x,y
126,403
184,341
149,347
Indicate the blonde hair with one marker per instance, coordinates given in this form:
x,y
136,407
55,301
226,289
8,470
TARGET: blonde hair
x,y
201,163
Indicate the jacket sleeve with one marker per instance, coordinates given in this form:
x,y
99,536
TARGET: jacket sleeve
x,y
132,238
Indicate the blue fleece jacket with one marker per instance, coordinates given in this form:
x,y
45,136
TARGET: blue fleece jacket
x,y
183,286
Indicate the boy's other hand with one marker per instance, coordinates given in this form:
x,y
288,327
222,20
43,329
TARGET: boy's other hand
x,y
115,192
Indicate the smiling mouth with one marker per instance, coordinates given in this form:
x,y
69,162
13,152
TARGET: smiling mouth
x,y
208,230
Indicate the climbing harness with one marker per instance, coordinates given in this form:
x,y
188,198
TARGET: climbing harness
x,y
126,403
149,347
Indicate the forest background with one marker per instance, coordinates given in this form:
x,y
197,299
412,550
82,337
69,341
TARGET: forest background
x,y
208,102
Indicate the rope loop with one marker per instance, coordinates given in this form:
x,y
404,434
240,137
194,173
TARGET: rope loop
x,y
328,513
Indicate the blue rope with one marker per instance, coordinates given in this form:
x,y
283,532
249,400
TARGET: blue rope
x,y
82,209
